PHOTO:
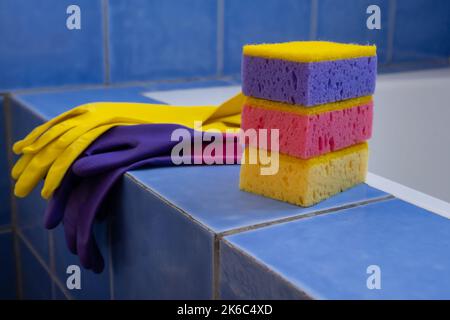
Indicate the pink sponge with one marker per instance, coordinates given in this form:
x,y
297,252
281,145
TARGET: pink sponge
x,y
307,132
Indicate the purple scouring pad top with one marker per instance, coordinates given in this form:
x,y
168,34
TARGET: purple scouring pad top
x,y
308,72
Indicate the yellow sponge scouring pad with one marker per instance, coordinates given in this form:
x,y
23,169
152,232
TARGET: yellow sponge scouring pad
x,y
309,51
306,182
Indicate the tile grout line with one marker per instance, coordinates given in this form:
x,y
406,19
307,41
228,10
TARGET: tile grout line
x,y
18,236
313,19
36,255
125,84
437,62
8,132
216,268
6,229
110,260
106,52
51,251
258,225
303,216
391,30
220,36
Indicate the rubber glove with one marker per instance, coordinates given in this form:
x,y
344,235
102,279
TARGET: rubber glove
x,y
73,123
80,198
56,144
31,168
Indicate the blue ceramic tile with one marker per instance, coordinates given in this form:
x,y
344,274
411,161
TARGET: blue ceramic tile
x,y
57,292
211,195
422,30
30,210
157,252
8,267
5,212
243,277
194,84
38,50
93,286
36,282
345,21
161,39
327,256
50,104
254,21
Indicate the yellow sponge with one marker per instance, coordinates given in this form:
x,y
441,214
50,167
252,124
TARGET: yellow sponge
x,y
309,51
307,111
306,182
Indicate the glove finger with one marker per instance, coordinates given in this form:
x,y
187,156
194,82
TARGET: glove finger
x,y
54,212
35,171
92,258
87,199
64,161
72,213
20,165
51,135
70,136
231,107
38,131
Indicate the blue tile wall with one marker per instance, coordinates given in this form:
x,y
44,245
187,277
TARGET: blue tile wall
x,y
38,50
93,286
345,21
262,21
29,210
327,256
161,39
7,267
142,40
48,104
5,211
422,30
36,282
157,252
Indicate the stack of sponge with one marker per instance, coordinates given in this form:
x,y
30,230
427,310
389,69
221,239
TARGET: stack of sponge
x,y
319,96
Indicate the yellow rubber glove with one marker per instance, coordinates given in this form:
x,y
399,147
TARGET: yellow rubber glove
x,y
51,148
31,168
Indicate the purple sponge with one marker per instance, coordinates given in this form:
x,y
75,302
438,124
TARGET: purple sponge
x,y
308,83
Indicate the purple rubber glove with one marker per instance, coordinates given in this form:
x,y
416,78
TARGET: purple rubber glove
x,y
80,196
83,206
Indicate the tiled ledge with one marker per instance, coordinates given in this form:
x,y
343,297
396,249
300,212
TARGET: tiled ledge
x,y
188,232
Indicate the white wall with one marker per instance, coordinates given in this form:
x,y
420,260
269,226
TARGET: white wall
x,y
411,134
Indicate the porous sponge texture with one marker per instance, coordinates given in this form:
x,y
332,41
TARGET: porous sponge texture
x,y
306,182
308,84
306,132
309,51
